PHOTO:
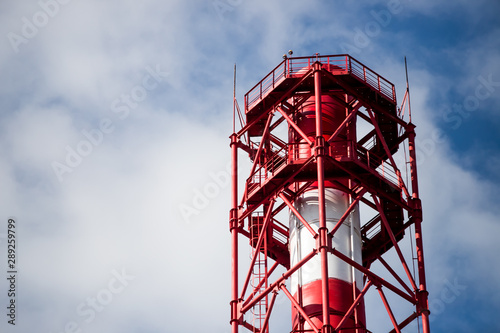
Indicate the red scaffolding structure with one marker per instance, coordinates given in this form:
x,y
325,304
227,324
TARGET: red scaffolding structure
x,y
294,149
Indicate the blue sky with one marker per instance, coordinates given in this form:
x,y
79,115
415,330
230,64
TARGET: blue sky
x,y
116,114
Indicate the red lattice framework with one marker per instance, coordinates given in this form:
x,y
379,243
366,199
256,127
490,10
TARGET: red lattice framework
x,y
279,174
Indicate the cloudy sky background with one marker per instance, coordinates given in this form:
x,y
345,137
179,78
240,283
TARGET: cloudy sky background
x,y
66,70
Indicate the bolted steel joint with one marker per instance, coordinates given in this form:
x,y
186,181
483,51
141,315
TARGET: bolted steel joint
x,y
233,218
423,304
319,146
416,204
324,240
327,329
318,66
235,310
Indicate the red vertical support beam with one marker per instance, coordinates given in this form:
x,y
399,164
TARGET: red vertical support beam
x,y
413,160
323,231
233,227
423,302
351,137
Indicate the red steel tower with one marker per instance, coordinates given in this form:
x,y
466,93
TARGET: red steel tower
x,y
325,199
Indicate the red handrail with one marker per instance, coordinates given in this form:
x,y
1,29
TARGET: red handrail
x,y
345,62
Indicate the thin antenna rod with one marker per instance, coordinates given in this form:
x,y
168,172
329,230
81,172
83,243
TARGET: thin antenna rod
x,y
234,100
408,89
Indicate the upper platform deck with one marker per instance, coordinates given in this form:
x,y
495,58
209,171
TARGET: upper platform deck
x,y
291,70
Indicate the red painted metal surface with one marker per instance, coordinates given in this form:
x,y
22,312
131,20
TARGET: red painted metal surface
x,y
322,132
340,300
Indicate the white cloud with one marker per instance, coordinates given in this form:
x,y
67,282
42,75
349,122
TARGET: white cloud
x,y
119,207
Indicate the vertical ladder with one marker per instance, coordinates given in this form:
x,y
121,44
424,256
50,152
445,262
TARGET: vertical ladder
x,y
259,272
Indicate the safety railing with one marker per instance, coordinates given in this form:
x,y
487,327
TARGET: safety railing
x,y
265,85
375,81
269,168
383,167
298,151
373,231
337,64
370,141
280,232
342,151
